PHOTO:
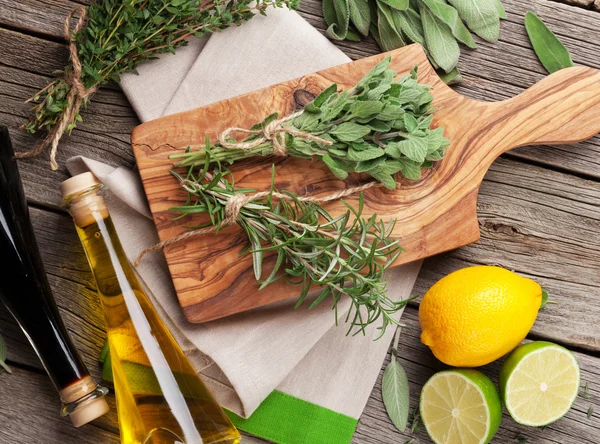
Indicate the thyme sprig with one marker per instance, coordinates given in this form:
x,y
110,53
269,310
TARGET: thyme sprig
x,y
345,255
120,34
380,127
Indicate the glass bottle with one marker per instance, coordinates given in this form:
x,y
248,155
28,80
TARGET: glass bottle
x,y
25,291
160,397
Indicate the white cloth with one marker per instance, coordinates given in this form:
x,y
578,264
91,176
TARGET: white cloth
x,y
244,357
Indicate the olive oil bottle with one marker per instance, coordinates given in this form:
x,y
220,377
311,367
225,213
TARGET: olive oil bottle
x,y
160,398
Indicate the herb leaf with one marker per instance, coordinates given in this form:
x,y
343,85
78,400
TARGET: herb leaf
x,y
441,44
3,355
549,49
346,255
395,390
381,127
449,16
360,14
482,17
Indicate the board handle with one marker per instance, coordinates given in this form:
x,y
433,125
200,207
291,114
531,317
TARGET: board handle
x,y
562,108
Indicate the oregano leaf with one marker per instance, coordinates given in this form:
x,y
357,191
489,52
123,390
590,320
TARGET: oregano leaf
x,y
349,131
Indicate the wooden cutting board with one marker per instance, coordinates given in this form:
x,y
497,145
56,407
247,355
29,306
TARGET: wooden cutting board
x,y
435,214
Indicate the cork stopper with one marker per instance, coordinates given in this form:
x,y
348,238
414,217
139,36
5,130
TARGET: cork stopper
x,y
85,205
78,184
85,410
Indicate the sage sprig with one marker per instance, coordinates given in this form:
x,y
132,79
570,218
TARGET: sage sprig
x,y
437,25
346,255
380,127
548,48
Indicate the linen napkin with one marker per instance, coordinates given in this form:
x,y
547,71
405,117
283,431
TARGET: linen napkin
x,y
290,376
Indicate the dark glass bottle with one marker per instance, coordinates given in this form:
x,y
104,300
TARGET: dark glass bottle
x,y
25,291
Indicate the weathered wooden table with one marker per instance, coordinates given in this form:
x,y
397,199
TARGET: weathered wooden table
x,y
539,214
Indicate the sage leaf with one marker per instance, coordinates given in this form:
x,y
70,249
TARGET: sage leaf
x,y
360,15
396,392
390,37
500,9
400,5
548,48
3,355
481,16
451,78
410,24
349,131
449,16
337,16
441,44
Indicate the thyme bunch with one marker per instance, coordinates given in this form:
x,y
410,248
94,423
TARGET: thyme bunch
x,y
120,34
380,127
345,255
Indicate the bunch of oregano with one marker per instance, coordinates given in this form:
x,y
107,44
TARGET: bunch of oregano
x,y
346,255
438,25
120,34
380,127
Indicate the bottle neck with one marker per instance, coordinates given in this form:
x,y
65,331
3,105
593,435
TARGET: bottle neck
x,y
87,208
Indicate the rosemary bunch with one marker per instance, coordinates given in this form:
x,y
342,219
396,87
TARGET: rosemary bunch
x,y
379,127
345,255
120,34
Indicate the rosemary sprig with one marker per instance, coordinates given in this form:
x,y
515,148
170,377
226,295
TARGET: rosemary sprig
x,y
380,127
120,34
346,255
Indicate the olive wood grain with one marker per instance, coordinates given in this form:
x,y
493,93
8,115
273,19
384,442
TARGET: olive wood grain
x,y
434,214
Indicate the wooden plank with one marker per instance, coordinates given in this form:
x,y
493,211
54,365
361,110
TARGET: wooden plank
x,y
40,17
418,361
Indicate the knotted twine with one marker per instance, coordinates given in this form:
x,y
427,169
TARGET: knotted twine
x,y
274,132
77,94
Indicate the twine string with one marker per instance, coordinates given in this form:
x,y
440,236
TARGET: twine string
x,y
77,94
274,132
236,203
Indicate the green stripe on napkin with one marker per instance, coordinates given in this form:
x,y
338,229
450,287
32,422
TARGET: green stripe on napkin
x,y
281,418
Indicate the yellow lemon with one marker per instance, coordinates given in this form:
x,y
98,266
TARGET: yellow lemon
x,y
478,314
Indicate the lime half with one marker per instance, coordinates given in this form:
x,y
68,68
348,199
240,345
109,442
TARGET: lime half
x,y
539,383
460,406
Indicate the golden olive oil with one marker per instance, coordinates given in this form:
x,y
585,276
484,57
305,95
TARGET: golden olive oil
x,y
160,398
